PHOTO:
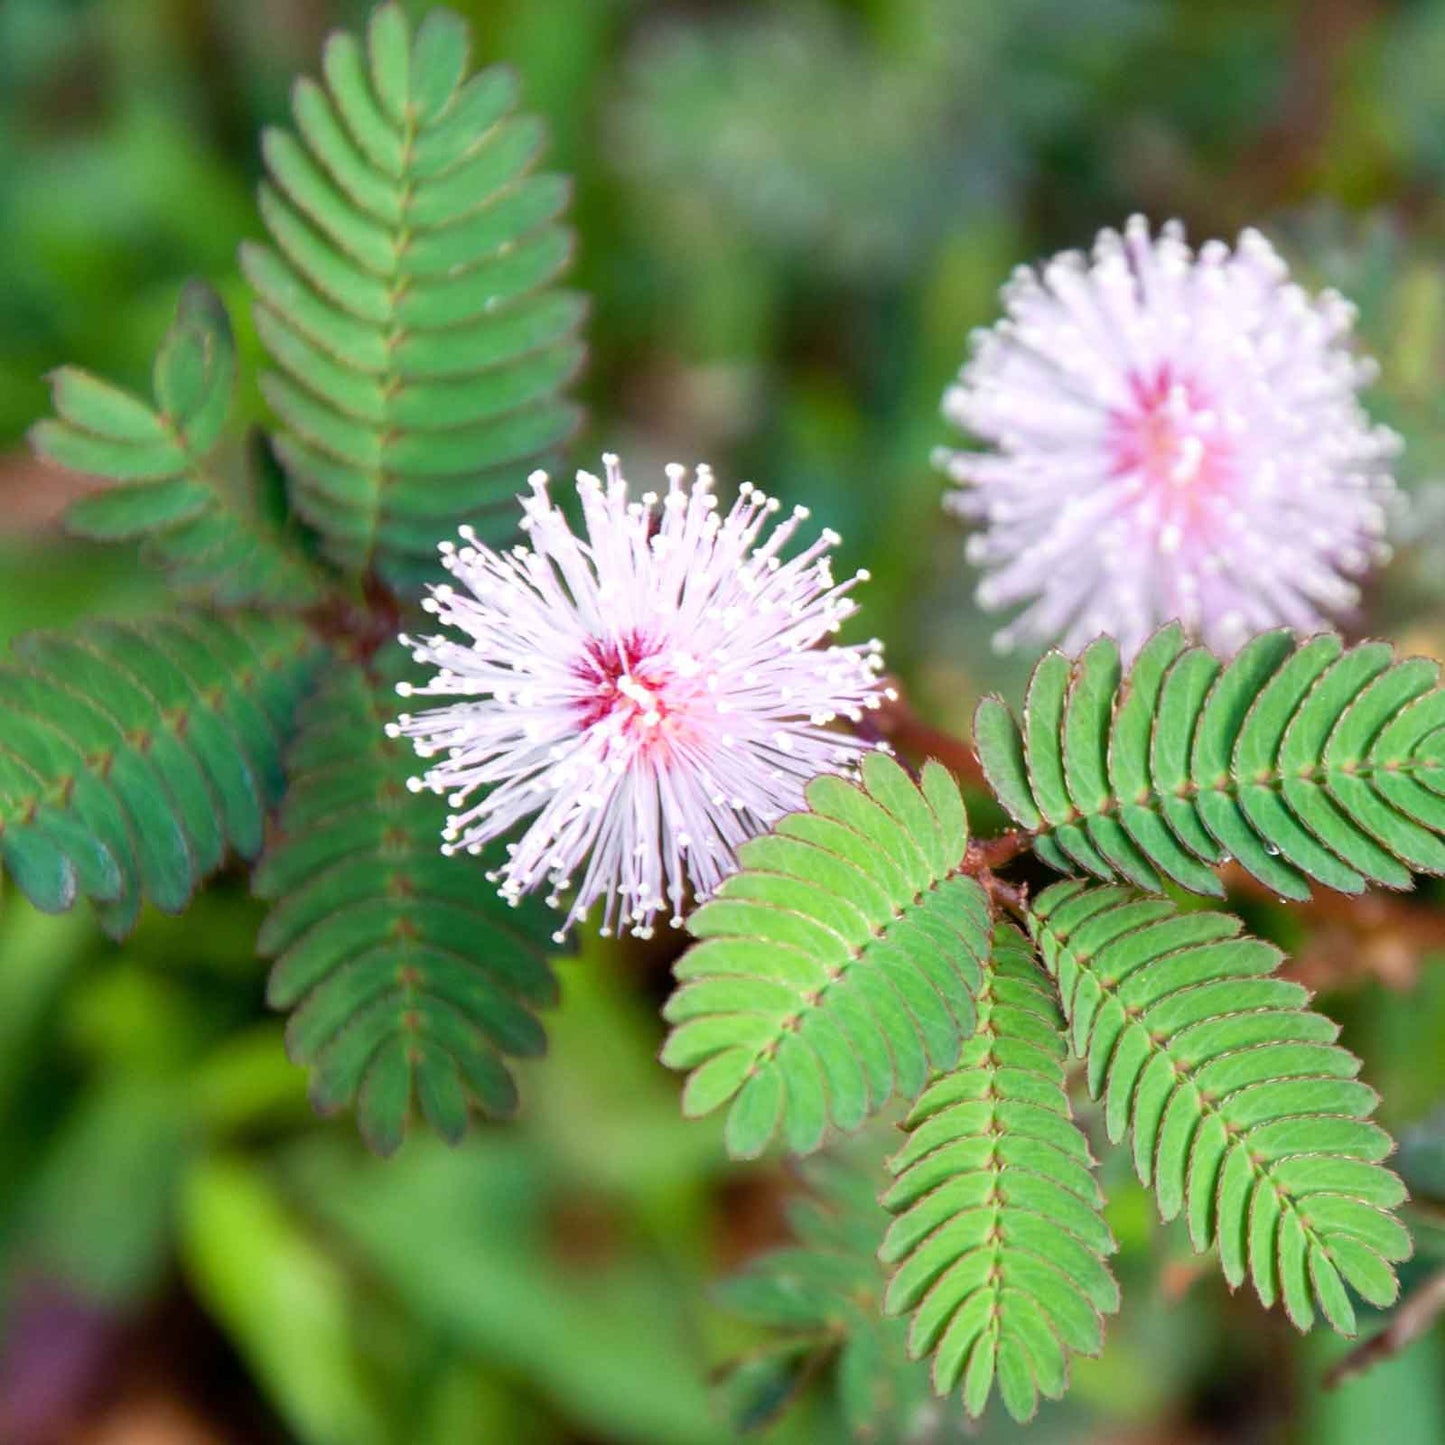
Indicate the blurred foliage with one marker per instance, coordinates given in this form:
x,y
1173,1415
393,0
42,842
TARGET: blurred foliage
x,y
823,1296
790,216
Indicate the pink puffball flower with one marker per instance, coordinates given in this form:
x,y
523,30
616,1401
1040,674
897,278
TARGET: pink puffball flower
x,y
1167,435
655,692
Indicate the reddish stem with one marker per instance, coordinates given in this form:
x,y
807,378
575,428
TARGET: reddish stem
x,y
1012,897
986,854
361,626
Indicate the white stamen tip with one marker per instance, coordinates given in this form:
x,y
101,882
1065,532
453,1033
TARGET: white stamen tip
x,y
1157,434
649,695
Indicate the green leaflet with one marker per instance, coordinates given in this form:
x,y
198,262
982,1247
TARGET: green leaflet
x,y
837,967
406,301
822,1295
136,755
1245,1115
409,980
1303,761
998,1246
160,464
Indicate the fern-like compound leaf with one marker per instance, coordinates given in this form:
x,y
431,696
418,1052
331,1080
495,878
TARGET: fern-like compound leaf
x,y
409,979
134,755
160,461
421,351
838,966
822,1297
998,1244
1303,760
1246,1116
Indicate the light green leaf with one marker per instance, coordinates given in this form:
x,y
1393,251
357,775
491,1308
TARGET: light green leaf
x,y
1245,1115
1302,761
998,1246
136,755
284,1302
838,966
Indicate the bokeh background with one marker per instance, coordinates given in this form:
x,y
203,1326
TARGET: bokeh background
x,y
791,214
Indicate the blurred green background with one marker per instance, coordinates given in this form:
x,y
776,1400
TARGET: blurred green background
x,y
790,216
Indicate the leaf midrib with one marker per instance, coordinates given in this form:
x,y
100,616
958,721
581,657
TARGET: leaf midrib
x,y
1154,800
1184,1074
398,283
815,1000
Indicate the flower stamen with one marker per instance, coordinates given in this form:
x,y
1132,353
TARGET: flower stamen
x,y
1168,435
649,695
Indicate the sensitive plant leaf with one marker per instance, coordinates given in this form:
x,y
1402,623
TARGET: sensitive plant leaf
x,y
838,966
1302,760
822,1298
135,755
998,1247
1245,1116
407,298
159,461
408,980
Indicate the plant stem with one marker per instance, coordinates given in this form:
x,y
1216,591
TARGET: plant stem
x,y
986,854
1416,1314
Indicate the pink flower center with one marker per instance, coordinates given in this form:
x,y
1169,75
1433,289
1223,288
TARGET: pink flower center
x,y
1169,440
630,686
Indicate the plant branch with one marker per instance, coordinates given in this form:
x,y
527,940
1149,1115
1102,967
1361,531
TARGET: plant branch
x,y
1012,897
360,626
986,854
1415,1315
896,723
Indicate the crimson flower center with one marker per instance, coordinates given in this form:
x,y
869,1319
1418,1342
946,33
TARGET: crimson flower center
x,y
628,685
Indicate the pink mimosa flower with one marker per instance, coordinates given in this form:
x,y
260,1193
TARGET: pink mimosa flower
x,y
1168,435
655,692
